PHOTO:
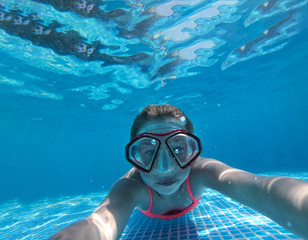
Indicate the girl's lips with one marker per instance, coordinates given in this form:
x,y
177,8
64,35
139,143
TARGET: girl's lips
x,y
168,182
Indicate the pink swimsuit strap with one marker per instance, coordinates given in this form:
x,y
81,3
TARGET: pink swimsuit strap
x,y
176,215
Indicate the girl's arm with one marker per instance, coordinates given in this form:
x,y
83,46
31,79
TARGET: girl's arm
x,y
109,219
283,199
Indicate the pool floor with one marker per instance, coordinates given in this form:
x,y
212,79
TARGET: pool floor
x,y
216,217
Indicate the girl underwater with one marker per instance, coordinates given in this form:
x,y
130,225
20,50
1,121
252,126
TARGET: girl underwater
x,y
169,177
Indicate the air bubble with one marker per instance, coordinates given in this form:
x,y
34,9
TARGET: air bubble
x,y
182,120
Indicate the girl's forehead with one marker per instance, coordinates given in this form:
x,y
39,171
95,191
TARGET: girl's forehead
x,y
159,126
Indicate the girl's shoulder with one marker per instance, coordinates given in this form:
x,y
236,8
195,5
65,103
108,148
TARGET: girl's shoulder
x,y
199,163
134,179
135,184
198,175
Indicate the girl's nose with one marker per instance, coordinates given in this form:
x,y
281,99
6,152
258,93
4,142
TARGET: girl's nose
x,y
165,161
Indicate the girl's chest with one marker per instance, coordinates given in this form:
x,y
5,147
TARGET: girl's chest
x,y
177,201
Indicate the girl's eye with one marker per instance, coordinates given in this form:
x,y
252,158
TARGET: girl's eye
x,y
147,156
149,153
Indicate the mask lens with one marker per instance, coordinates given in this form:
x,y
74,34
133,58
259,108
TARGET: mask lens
x,y
184,148
143,151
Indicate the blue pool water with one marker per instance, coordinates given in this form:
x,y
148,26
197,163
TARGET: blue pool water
x,y
74,74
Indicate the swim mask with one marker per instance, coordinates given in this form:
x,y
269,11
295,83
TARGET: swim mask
x,y
143,149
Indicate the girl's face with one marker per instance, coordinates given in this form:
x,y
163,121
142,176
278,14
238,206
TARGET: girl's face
x,y
166,176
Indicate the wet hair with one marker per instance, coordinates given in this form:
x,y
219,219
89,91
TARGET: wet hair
x,y
159,112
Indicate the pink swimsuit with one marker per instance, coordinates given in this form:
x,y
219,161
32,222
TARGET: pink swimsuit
x,y
173,213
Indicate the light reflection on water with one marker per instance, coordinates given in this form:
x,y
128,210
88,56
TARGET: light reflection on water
x,y
138,44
